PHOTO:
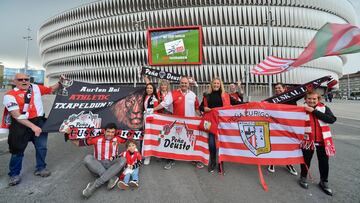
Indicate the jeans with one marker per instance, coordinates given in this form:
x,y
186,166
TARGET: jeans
x,y
40,143
212,148
105,169
134,176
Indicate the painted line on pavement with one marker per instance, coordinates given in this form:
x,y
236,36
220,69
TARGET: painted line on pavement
x,y
349,125
348,118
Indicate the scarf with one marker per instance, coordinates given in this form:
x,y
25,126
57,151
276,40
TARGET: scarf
x,y
6,118
309,137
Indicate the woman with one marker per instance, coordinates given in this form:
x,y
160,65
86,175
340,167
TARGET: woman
x,y
162,92
150,100
215,97
318,136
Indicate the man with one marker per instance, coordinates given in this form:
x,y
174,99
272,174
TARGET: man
x,y
27,117
279,89
237,95
184,102
102,163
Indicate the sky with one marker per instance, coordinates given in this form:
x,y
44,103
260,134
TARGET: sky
x,y
17,15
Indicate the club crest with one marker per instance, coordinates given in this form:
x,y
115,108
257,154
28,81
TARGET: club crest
x,y
256,136
81,120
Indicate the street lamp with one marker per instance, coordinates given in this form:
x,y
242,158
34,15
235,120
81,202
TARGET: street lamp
x,y
27,38
137,25
269,22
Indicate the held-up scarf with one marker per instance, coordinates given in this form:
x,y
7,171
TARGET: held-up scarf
x,y
6,118
309,137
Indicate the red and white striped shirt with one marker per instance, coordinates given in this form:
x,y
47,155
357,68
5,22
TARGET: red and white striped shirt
x,y
183,104
14,100
104,149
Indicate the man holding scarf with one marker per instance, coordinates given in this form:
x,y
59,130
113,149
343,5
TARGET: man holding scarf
x,y
23,106
317,136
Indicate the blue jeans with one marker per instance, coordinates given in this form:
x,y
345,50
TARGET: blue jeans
x,y
212,148
40,143
134,176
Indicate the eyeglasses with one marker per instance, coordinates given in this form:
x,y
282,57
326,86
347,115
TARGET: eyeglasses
x,y
23,79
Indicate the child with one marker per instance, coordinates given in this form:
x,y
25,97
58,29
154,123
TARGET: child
x,y
133,161
318,137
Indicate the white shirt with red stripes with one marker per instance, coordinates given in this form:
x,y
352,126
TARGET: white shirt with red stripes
x,y
104,149
183,104
14,100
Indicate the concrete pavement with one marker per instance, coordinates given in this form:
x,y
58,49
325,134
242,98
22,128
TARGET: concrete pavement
x,y
185,183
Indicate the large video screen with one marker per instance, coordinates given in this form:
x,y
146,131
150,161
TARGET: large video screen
x,y
175,45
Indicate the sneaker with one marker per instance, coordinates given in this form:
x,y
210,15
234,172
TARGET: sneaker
x,y
122,185
303,183
42,173
169,165
147,160
89,190
292,170
212,167
199,165
271,168
133,184
14,180
112,182
325,187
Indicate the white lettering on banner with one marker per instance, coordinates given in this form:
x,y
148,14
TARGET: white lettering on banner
x,y
151,73
169,76
96,89
81,105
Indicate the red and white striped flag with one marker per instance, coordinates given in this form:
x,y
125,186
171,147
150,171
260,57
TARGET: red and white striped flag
x,y
272,65
174,137
261,133
331,39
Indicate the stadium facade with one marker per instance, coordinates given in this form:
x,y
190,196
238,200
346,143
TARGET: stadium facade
x,y
106,41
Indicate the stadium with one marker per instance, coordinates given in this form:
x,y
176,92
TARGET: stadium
x,y
107,41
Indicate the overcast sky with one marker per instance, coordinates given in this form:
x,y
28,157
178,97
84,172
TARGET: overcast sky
x,y
17,15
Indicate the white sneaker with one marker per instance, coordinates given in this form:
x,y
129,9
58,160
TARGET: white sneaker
x,y
271,168
147,160
292,170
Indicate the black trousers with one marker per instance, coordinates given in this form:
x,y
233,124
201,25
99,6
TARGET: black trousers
x,y
323,162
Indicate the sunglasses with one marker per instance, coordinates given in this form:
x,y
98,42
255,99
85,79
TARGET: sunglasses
x,y
23,79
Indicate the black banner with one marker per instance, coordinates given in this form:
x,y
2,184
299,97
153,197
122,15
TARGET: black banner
x,y
85,105
82,133
160,74
298,92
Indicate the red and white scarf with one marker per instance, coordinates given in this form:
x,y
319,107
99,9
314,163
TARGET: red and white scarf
x,y
309,137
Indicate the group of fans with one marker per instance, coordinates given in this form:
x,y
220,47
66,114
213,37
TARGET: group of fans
x,y
122,169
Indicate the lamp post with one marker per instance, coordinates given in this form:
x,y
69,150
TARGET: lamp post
x,y
27,38
269,22
137,25
348,87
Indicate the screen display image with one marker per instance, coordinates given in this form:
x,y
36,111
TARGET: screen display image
x,y
179,45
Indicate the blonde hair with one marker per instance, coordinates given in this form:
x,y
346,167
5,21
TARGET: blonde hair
x,y
164,82
210,88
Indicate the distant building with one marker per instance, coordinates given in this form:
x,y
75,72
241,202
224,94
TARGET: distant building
x,y
37,76
353,80
1,75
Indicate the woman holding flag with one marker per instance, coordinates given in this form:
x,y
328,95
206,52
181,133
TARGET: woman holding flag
x,y
215,97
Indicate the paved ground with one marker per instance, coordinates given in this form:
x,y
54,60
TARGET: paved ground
x,y
184,183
